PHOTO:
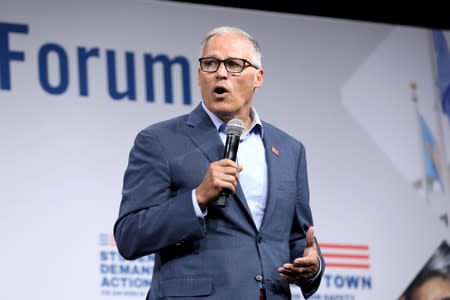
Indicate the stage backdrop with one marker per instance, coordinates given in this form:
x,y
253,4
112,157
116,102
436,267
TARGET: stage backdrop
x,y
79,79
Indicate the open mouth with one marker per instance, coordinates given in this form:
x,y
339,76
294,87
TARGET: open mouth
x,y
220,90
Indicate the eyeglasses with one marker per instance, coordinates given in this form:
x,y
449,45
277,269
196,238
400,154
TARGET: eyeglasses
x,y
232,64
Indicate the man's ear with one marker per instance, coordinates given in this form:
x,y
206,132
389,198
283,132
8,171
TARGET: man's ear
x,y
259,80
198,76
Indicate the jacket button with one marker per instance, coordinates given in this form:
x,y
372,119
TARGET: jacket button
x,y
259,278
259,239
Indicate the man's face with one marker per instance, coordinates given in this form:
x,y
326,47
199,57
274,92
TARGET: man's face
x,y
229,95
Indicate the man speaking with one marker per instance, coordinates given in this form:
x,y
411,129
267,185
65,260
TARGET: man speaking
x,y
253,243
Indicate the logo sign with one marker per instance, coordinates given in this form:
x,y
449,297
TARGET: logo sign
x,y
347,274
120,277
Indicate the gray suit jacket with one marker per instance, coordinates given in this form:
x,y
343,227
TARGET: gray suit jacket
x,y
224,255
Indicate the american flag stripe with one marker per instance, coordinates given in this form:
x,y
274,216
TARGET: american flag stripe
x,y
344,246
347,265
354,256
347,256
107,239
112,240
275,151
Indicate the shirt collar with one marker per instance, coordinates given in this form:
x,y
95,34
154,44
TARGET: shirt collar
x,y
221,126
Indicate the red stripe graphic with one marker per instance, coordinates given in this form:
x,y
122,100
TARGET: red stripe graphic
x,y
112,240
344,246
347,266
346,256
354,256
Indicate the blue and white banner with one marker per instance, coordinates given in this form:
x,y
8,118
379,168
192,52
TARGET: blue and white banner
x,y
79,79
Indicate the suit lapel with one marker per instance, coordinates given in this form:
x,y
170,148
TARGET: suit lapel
x,y
271,146
204,134
241,197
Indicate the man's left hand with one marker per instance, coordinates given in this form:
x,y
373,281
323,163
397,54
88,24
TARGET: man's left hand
x,y
303,268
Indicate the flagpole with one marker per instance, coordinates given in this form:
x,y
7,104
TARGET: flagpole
x,y
423,181
438,109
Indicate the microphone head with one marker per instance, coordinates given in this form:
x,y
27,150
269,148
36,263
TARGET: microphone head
x,y
235,127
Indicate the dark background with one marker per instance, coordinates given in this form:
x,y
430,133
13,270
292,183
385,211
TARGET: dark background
x,y
418,15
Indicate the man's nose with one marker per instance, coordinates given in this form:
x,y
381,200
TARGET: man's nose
x,y
222,70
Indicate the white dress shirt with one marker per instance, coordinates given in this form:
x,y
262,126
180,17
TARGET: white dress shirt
x,y
251,155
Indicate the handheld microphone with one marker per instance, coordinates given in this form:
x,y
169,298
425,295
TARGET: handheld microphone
x,y
235,127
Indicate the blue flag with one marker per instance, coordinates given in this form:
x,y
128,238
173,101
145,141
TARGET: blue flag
x,y
430,153
443,69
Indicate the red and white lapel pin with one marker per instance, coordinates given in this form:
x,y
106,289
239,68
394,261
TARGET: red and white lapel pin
x,y
275,151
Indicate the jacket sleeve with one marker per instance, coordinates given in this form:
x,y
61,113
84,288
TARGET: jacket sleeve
x,y
302,221
152,215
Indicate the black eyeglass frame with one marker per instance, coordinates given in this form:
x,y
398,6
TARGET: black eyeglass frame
x,y
245,64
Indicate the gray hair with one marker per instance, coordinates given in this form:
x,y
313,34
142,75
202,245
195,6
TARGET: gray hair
x,y
256,50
